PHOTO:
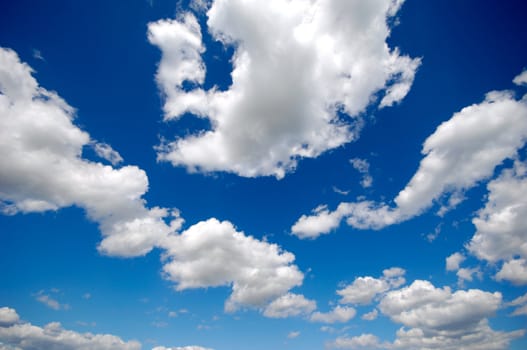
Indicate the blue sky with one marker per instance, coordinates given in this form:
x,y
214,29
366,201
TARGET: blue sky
x,y
251,175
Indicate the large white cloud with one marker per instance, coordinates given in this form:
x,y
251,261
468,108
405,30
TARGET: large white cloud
x,y
501,226
437,318
42,167
213,253
461,152
297,65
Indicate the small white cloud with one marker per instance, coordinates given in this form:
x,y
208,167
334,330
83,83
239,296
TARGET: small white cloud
x,y
514,271
106,151
8,317
364,289
339,314
50,302
192,347
453,261
361,342
521,79
370,316
363,167
293,334
289,305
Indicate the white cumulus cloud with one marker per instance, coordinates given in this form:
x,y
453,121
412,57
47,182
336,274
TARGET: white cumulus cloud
x,y
213,253
289,305
303,71
15,335
339,314
361,342
364,289
437,318
461,152
43,147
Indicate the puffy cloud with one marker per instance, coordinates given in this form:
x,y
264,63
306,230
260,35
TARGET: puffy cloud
x,y
514,270
322,221
212,253
363,167
16,335
364,289
521,79
303,71
363,342
338,314
289,305
46,171
501,226
456,157
8,317
453,261
106,151
293,335
370,316
191,347
441,319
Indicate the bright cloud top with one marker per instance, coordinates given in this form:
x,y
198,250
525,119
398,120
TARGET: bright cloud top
x,y
213,253
501,228
303,71
461,152
47,170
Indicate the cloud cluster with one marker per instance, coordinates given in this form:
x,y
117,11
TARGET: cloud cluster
x,y
214,253
437,318
364,289
47,171
461,152
339,314
501,227
360,342
16,335
303,71
290,305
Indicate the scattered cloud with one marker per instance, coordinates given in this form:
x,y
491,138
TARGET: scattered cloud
x,y
290,305
363,167
326,62
454,261
437,318
501,228
49,301
339,314
521,79
213,253
364,289
106,152
15,334
192,347
370,316
361,342
456,157
43,148
293,334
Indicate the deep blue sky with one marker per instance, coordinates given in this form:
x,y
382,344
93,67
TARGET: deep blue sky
x,y
97,57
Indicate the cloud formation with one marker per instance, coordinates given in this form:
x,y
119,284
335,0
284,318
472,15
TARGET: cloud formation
x,y
437,318
289,305
501,228
339,314
460,153
47,171
303,72
213,253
